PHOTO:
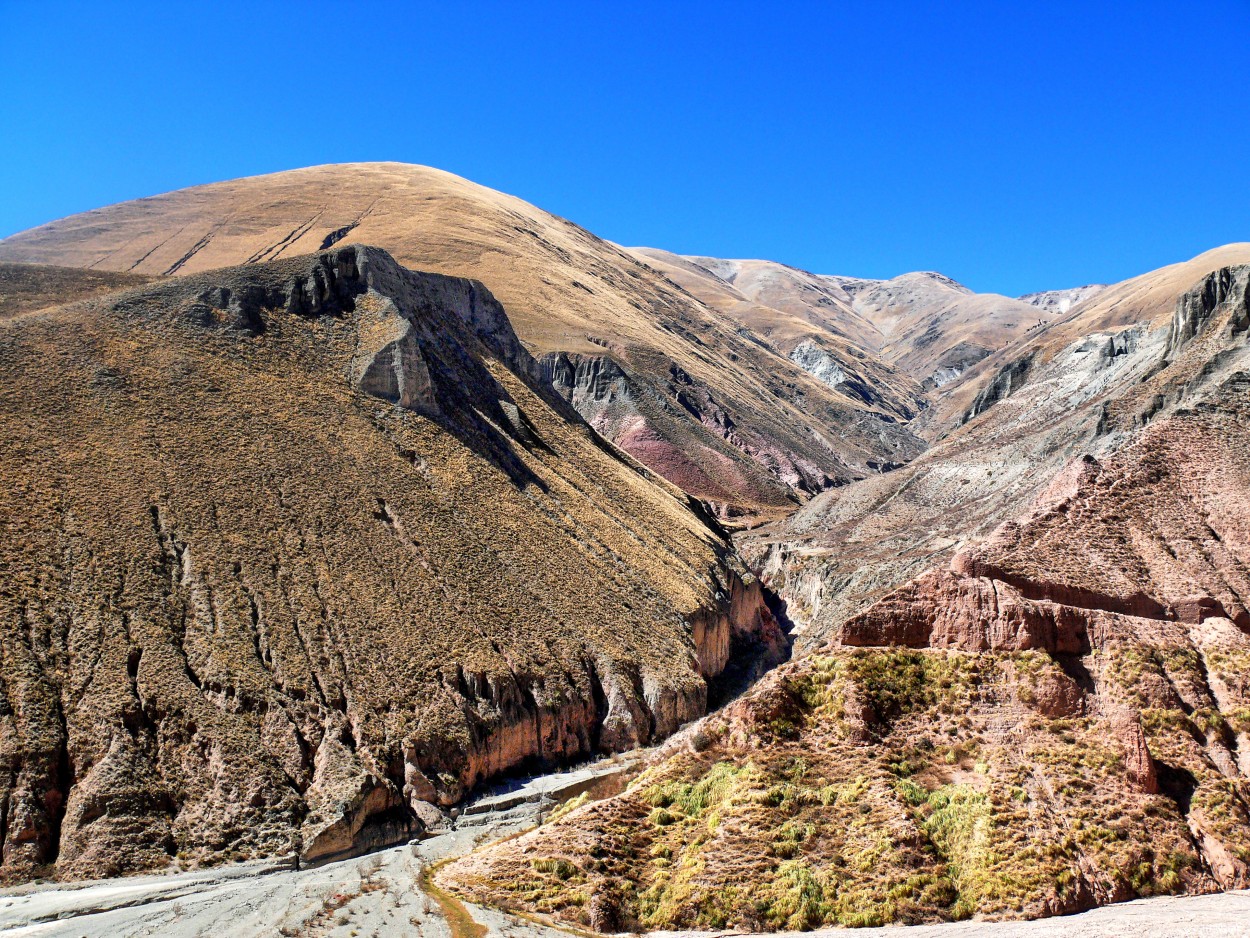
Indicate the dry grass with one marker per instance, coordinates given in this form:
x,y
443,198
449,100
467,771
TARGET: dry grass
x,y
28,287
241,598
872,787
713,410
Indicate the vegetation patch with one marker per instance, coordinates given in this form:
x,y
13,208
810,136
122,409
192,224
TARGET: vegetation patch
x,y
919,787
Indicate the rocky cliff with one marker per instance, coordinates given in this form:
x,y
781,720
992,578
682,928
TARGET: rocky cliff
x,y
294,553
1059,719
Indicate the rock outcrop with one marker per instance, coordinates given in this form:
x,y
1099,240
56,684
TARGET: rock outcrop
x,y
1225,288
1009,378
1139,765
867,786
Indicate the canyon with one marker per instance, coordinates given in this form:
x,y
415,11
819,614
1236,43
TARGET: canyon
x,y
1054,719
363,486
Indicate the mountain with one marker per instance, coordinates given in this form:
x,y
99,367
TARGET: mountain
x,y
1146,302
934,328
823,301
1018,419
294,552
691,393
332,495
923,326
1058,302
1054,716
801,317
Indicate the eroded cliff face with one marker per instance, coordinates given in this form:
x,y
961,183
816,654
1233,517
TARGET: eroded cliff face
x,y
871,785
1095,396
299,552
1050,715
681,430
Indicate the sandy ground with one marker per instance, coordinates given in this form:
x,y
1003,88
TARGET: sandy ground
x,y
381,894
1226,915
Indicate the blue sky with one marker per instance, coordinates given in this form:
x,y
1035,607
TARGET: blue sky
x,y
1013,146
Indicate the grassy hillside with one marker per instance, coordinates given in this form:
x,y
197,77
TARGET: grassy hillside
x,y
291,551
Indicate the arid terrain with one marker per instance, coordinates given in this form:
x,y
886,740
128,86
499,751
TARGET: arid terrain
x,y
303,549
672,380
333,496
391,892
1056,718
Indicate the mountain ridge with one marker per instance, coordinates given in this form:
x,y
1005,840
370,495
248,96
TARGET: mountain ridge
x,y
695,391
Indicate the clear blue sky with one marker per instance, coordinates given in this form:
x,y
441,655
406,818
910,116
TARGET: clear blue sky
x,y
1013,146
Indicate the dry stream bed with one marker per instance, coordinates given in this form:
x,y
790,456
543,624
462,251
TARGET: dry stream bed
x,y
390,892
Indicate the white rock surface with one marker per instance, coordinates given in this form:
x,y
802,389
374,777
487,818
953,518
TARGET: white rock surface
x,y
377,894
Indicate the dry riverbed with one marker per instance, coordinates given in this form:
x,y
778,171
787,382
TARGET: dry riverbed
x,y
390,893
383,893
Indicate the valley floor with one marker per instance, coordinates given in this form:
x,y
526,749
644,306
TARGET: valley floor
x,y
382,893
1223,915
386,893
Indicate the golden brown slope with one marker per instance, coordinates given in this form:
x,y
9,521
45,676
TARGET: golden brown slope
x,y
291,550
1057,302
25,287
822,301
920,326
715,411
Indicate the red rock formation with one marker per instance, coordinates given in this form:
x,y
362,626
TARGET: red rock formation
x,y
1138,765
970,613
